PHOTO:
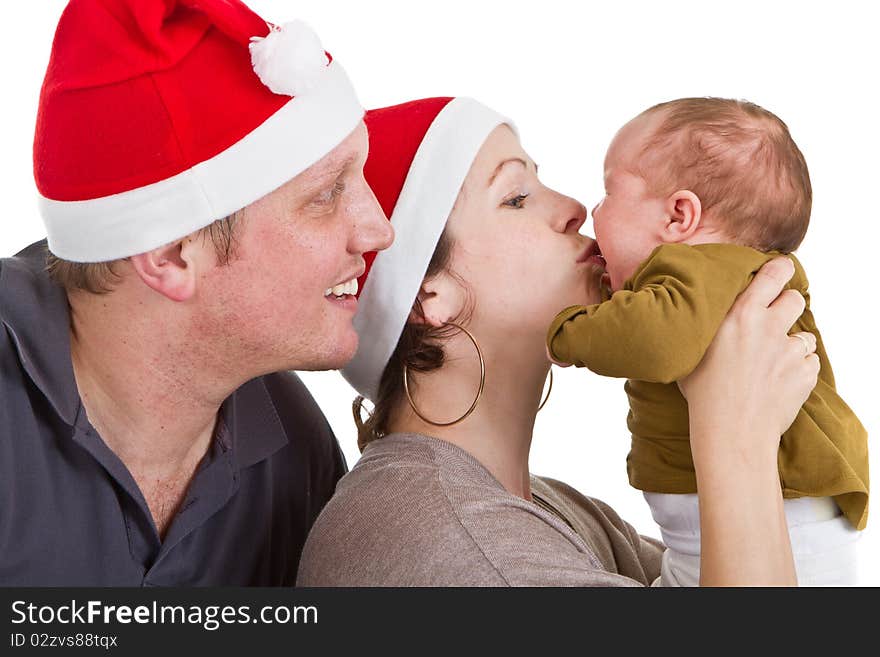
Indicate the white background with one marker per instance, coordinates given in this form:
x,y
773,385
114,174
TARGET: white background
x,y
570,74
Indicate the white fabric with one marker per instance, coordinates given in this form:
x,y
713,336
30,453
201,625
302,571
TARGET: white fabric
x,y
436,174
291,140
823,541
290,60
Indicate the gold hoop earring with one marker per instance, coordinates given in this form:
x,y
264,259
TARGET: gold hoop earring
x,y
476,399
549,390
359,403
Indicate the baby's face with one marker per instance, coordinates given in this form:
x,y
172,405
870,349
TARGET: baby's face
x,y
628,220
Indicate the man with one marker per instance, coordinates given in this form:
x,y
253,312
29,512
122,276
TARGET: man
x,y
202,187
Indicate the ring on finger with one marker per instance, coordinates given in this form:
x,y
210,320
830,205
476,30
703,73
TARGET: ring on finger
x,y
808,348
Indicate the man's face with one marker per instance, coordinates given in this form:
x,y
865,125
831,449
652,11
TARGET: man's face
x,y
292,246
627,221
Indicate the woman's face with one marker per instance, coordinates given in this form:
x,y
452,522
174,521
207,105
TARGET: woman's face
x,y
517,244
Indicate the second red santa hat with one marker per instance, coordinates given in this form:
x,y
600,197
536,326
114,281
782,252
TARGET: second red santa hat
x,y
420,154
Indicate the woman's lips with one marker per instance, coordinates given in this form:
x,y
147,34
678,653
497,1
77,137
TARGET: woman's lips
x,y
592,255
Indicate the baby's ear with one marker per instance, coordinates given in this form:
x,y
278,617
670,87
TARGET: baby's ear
x,y
684,213
440,299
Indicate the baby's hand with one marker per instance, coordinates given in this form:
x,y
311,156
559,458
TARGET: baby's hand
x,y
552,360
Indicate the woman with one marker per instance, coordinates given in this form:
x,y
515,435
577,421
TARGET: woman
x,y
484,257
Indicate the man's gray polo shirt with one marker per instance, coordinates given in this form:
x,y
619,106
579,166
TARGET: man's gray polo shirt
x,y
72,515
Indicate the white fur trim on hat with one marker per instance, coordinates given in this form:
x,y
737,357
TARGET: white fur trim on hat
x,y
288,142
435,177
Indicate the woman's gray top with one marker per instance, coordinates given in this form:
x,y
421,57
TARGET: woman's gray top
x,y
419,511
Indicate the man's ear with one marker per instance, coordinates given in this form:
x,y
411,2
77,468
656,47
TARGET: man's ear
x,y
442,298
170,270
684,213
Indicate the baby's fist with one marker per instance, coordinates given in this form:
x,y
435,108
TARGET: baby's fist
x,y
553,360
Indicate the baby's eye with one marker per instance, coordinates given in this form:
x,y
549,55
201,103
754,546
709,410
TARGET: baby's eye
x,y
515,201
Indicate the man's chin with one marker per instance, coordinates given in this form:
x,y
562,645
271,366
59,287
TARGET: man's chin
x,y
335,357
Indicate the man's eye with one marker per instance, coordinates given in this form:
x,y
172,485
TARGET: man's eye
x,y
331,194
515,201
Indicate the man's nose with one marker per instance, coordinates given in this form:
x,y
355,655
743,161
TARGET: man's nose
x,y
373,230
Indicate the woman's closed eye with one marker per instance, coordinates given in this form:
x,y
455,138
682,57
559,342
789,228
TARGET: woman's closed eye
x,y
515,201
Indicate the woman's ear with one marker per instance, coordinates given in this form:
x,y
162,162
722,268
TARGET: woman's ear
x,y
170,270
684,213
441,298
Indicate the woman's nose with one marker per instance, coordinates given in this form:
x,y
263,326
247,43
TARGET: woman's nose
x,y
577,215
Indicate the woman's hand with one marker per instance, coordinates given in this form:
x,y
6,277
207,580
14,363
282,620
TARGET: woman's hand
x,y
744,394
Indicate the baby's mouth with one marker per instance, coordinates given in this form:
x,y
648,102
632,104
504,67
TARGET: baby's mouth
x,y
605,280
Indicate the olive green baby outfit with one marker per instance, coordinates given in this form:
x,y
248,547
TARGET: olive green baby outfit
x,y
655,332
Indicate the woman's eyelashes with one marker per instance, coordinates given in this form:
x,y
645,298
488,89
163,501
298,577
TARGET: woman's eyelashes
x,y
515,201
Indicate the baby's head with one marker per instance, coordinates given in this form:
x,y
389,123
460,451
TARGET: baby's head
x,y
699,170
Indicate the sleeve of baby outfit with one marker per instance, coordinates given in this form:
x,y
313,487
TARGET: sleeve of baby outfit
x,y
659,326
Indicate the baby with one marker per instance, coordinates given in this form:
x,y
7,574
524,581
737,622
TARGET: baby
x,y
699,193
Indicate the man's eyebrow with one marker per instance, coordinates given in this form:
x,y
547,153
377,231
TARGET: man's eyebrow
x,y
332,170
501,165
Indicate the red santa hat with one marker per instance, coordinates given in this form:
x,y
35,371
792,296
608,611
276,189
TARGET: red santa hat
x,y
158,117
420,154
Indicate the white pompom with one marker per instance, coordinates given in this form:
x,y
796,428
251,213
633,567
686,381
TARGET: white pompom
x,y
290,59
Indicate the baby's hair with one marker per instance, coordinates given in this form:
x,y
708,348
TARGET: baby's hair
x,y
742,163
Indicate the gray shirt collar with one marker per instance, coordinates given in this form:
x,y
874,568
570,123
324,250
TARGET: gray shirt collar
x,y
35,313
